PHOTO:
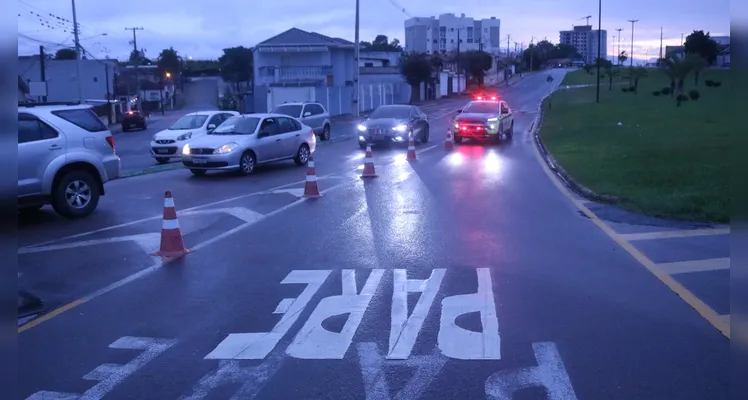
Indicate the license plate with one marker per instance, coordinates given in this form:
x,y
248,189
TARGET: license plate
x,y
377,131
199,160
162,151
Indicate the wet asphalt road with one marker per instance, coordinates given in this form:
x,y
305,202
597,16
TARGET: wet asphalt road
x,y
462,275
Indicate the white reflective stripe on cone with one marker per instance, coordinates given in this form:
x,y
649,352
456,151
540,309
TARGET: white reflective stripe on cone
x,y
168,202
171,224
311,178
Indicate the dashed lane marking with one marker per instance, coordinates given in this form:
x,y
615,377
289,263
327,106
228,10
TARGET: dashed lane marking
x,y
675,234
697,304
682,267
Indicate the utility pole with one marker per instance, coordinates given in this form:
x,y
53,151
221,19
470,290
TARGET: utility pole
x,y
532,51
631,55
138,104
599,44
659,60
43,72
77,54
355,64
506,68
459,67
681,38
618,60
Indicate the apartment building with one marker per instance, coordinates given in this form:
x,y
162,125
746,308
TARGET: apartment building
x,y
584,39
444,33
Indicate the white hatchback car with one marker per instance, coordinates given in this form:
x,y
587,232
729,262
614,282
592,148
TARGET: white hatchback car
x,y
244,141
167,144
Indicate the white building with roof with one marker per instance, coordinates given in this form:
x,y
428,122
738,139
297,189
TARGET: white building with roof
x,y
443,34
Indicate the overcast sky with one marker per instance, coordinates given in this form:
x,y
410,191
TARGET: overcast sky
x,y
201,29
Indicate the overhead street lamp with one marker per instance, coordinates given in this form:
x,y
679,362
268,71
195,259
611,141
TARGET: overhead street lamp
x,y
599,44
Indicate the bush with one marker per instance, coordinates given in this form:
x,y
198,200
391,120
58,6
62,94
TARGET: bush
x,y
717,84
656,93
682,97
694,94
709,82
624,89
632,89
665,91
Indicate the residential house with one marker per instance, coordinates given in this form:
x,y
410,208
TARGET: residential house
x,y
297,65
152,85
96,77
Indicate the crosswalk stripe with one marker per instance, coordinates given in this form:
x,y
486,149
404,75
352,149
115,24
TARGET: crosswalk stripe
x,y
675,234
682,267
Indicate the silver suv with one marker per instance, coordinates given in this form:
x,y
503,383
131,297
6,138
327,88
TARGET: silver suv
x,y
310,114
65,156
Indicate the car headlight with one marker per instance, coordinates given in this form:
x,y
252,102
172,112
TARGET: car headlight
x,y
361,128
186,149
154,137
185,136
226,148
457,126
493,119
401,128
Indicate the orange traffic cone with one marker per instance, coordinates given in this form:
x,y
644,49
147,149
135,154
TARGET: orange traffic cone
x,y
311,190
172,245
449,144
411,150
368,164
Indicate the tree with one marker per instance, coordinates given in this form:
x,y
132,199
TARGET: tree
x,y
610,71
697,63
136,58
168,61
381,43
66,54
622,57
677,69
565,51
635,74
415,68
700,43
236,64
476,63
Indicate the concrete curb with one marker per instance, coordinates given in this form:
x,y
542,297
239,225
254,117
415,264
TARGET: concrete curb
x,y
575,186
151,170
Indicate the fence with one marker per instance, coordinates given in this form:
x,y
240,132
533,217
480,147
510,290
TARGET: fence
x,y
338,100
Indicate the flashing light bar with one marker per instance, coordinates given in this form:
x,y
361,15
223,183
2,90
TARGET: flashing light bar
x,y
481,98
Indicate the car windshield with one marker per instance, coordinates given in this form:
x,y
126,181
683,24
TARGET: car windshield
x,y
237,126
482,107
292,110
391,112
189,122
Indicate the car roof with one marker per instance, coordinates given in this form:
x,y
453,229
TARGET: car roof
x,y
52,107
297,103
486,101
396,106
265,115
211,112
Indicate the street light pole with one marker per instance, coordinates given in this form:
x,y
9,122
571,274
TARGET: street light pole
x,y
599,44
618,60
631,55
355,64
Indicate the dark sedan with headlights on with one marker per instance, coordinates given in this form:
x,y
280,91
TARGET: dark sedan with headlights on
x,y
394,123
134,119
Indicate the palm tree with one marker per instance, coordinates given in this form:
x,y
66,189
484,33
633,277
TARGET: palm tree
x,y
610,72
697,64
677,69
635,74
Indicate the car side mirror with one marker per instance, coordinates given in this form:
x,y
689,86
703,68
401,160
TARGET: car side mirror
x,y
306,114
211,127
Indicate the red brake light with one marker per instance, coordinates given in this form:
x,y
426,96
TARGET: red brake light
x,y
493,98
479,98
110,140
129,112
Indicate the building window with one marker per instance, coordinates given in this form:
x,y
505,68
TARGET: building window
x,y
470,34
451,40
451,29
442,31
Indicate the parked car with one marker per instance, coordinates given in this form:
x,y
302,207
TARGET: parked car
x,y
167,144
395,123
65,157
243,142
134,119
310,114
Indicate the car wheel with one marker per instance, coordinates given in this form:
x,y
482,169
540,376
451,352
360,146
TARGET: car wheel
x,y
425,135
458,139
362,145
145,127
325,135
302,155
76,195
198,172
124,129
247,163
162,160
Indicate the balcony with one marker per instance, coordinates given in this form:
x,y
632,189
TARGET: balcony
x,y
296,74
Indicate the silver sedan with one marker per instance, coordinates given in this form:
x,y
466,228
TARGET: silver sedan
x,y
245,141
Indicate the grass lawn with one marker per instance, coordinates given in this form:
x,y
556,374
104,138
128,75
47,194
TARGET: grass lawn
x,y
663,161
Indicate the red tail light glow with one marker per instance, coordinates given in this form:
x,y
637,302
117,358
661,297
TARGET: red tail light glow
x,y
493,98
129,112
479,98
110,140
